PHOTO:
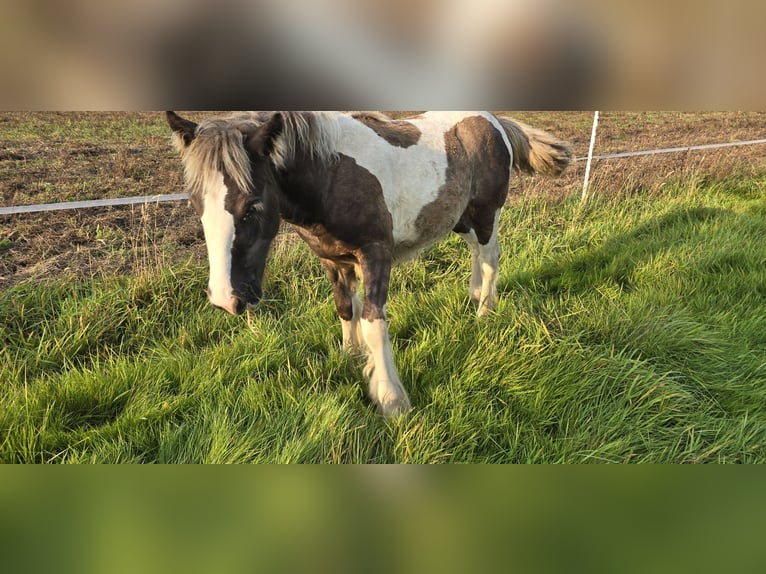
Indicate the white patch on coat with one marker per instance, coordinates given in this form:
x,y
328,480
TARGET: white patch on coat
x,y
489,259
474,287
499,127
410,177
218,225
386,389
352,334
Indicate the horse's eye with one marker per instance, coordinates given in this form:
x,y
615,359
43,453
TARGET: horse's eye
x,y
252,209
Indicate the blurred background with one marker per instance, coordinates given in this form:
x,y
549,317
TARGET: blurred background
x,y
392,54
131,519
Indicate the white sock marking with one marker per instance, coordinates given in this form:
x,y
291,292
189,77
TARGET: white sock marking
x,y
385,387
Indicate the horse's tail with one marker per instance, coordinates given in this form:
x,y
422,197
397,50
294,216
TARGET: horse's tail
x,y
536,151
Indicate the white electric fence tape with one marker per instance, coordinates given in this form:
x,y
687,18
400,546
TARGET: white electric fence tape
x,y
673,150
92,203
148,199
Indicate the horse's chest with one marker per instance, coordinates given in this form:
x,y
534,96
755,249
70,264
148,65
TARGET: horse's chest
x,y
325,245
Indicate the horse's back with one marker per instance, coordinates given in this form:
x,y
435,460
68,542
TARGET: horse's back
x,y
429,167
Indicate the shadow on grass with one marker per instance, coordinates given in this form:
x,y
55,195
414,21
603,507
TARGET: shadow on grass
x,y
616,258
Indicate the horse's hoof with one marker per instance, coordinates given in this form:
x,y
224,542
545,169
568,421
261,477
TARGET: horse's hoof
x,y
394,407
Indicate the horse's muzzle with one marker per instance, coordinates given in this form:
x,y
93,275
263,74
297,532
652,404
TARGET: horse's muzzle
x,y
234,305
249,293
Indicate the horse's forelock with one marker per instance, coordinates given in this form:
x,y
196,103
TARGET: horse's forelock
x,y
217,148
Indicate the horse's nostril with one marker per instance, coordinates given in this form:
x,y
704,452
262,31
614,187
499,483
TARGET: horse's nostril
x,y
250,294
209,293
239,305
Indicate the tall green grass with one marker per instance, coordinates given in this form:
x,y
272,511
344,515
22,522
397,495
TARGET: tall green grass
x,y
630,330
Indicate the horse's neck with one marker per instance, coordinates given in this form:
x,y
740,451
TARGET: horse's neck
x,y
301,186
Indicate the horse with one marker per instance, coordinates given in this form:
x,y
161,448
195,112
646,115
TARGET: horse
x,y
365,192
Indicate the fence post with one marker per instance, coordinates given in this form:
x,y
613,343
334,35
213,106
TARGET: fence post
x,y
590,158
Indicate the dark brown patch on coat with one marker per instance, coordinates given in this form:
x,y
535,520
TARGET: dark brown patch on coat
x,y
344,281
339,211
340,205
478,169
476,150
400,133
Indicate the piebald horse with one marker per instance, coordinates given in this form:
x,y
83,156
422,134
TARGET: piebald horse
x,y
365,192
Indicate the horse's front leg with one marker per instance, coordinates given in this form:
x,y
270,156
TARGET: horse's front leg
x,y
343,279
386,390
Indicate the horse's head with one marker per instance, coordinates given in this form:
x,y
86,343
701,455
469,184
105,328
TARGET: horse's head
x,y
230,178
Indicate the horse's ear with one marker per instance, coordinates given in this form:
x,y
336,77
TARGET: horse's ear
x,y
183,128
263,140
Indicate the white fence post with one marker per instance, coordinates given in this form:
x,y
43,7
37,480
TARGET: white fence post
x,y
590,158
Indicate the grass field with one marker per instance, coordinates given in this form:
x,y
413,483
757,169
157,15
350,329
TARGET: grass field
x,y
632,330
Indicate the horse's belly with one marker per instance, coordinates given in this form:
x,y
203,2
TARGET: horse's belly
x,y
432,224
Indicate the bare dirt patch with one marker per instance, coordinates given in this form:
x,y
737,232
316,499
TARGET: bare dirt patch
x,y
54,157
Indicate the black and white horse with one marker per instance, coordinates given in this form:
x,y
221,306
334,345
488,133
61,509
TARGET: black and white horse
x,y
364,191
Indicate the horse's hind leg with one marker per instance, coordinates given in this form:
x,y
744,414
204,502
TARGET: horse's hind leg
x,y
344,283
474,287
485,255
489,259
